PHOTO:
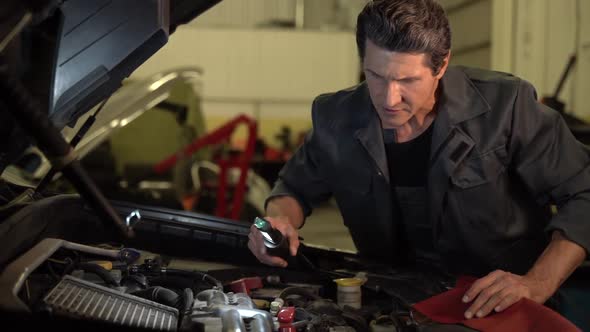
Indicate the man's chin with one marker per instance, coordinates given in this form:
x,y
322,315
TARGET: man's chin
x,y
392,122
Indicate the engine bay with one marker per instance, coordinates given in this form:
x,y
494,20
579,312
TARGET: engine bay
x,y
187,272
133,288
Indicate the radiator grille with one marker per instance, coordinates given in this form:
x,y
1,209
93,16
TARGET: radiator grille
x,y
79,298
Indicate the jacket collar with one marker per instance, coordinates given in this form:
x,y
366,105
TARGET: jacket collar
x,y
460,98
459,101
370,132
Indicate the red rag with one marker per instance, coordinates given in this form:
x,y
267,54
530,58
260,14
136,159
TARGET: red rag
x,y
525,315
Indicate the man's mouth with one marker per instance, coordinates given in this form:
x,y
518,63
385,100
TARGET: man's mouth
x,y
392,110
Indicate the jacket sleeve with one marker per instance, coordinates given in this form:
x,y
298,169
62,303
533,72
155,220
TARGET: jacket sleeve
x,y
302,176
554,166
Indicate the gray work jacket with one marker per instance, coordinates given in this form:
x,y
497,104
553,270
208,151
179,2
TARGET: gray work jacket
x,y
498,160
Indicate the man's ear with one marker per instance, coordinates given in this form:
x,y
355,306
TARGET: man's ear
x,y
444,66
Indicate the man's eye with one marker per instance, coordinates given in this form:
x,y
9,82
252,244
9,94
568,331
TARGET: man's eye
x,y
380,78
373,75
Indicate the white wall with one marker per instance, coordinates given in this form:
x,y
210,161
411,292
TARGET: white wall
x,y
502,35
272,75
470,20
470,28
246,13
580,96
275,69
261,63
332,14
315,14
534,39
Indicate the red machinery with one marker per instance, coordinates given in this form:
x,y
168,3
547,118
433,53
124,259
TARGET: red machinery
x,y
241,161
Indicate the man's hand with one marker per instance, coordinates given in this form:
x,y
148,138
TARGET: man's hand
x,y
256,242
499,290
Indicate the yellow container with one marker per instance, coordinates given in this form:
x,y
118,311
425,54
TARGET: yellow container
x,y
349,292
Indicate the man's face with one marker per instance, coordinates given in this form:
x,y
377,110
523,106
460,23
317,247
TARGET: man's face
x,y
401,85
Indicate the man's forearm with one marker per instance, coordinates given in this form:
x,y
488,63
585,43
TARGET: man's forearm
x,y
286,206
559,260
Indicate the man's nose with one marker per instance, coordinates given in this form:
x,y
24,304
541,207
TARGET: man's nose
x,y
392,95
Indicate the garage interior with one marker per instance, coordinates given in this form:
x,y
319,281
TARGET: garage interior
x,y
199,131
246,63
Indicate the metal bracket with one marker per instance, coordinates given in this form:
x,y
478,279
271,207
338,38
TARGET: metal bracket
x,y
133,218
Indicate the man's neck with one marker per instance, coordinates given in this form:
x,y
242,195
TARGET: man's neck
x,y
414,128
419,122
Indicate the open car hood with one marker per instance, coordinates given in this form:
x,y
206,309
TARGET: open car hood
x,y
125,105
128,103
73,54
83,52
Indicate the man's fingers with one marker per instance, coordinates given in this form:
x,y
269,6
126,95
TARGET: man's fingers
x,y
485,295
293,242
272,260
267,259
256,246
255,241
493,302
480,285
505,290
254,233
256,249
259,251
506,302
289,232
275,261
255,238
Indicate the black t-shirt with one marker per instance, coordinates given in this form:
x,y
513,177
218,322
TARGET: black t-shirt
x,y
408,161
408,164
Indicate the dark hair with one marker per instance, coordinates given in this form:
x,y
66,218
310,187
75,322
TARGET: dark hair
x,y
410,26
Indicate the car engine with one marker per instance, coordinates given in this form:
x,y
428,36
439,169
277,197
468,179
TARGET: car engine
x,y
138,289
